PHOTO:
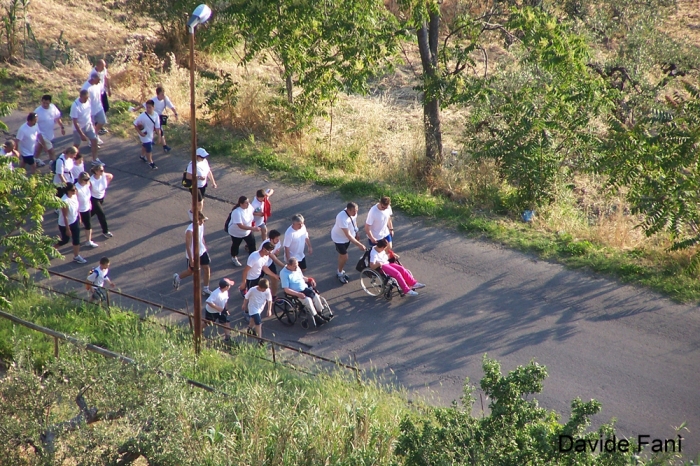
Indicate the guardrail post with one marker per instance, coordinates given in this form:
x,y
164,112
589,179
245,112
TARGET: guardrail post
x,y
107,298
55,347
274,358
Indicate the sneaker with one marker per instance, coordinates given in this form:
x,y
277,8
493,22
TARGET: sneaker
x,y
40,163
227,339
206,291
153,166
411,293
176,281
143,159
236,262
107,235
418,286
103,131
79,259
98,162
342,278
167,148
91,244
99,141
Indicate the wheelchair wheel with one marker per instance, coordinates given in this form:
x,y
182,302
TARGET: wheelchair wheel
x,y
372,282
389,288
326,311
285,311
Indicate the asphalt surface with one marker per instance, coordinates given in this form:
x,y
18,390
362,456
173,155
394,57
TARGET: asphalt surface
x,y
634,351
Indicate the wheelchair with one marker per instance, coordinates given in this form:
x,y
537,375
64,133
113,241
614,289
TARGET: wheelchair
x,y
375,282
289,308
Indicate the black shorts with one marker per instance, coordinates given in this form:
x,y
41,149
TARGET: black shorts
x,y
251,283
302,264
220,317
200,192
203,260
342,248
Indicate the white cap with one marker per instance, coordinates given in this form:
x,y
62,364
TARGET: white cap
x,y
202,153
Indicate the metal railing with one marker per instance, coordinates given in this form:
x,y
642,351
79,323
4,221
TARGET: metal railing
x,y
190,318
96,349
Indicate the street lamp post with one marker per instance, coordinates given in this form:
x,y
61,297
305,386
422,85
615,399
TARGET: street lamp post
x,y
200,16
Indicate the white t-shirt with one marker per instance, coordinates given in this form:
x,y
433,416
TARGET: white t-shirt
x,y
378,221
83,195
202,246
64,166
258,207
160,105
295,240
150,123
103,74
95,93
46,119
257,300
218,298
243,216
98,186
72,204
77,169
81,112
27,136
381,257
6,160
98,276
202,170
256,262
273,252
343,220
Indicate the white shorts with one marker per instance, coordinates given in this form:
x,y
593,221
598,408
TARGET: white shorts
x,y
48,145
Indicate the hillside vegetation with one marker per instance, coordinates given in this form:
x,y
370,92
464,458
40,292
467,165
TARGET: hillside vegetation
x,y
84,409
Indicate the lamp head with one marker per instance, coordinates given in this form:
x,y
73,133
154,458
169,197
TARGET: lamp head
x,y
200,15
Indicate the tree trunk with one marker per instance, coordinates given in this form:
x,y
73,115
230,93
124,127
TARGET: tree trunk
x,y
428,47
289,85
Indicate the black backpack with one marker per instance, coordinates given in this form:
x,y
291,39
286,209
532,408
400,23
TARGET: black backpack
x,y
363,263
52,164
185,182
228,220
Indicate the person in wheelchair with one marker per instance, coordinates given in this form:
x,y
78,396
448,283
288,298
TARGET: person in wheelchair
x,y
295,284
381,259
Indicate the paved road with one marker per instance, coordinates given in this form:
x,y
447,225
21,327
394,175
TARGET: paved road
x,y
636,352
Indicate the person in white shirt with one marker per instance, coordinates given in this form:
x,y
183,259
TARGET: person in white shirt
x,y
97,113
379,224
69,223
204,173
162,104
83,130
28,136
63,172
215,308
147,124
240,227
9,154
98,276
255,267
204,260
295,238
47,117
343,233
85,206
256,300
106,90
262,210
379,259
98,187
78,166
273,260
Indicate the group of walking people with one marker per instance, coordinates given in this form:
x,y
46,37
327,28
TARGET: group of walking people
x,y
279,262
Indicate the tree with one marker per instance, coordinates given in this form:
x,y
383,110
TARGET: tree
x,y
321,48
656,160
516,431
23,202
535,120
